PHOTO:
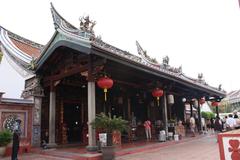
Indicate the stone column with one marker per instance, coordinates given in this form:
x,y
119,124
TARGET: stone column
x,y
36,134
52,118
165,112
191,109
91,116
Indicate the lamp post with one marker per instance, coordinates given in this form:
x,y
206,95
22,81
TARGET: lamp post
x,y
201,101
216,104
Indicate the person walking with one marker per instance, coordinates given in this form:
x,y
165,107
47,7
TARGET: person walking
x,y
208,126
212,125
192,126
147,126
218,125
230,122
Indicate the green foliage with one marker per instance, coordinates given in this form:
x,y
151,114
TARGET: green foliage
x,y
5,137
208,115
108,124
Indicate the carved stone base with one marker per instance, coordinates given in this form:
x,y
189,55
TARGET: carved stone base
x,y
36,136
92,148
51,145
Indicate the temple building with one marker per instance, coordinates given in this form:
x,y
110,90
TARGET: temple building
x,y
61,80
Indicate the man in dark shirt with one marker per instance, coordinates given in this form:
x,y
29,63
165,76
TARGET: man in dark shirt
x,y
16,139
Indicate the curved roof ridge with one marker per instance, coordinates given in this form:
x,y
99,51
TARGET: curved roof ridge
x,y
20,67
12,48
64,27
22,39
56,22
141,53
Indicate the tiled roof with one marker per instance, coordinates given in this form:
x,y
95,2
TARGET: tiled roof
x,y
20,52
26,48
84,35
234,94
19,101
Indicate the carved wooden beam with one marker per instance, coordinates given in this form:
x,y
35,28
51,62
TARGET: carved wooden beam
x,y
128,83
72,71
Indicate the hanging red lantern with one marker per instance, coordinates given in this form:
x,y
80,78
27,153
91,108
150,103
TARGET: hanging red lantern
x,y
105,83
157,93
202,101
215,104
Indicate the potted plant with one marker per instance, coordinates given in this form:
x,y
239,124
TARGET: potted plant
x,y
108,125
5,139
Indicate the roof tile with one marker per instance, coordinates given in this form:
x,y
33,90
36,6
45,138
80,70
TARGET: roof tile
x,y
30,50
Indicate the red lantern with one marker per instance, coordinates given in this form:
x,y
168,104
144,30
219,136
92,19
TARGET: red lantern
x,y
215,104
105,83
202,101
157,93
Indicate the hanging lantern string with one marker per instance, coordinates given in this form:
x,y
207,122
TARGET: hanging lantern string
x,y
158,101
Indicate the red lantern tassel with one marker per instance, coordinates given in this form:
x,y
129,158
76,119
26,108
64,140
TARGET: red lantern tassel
x,y
105,94
158,101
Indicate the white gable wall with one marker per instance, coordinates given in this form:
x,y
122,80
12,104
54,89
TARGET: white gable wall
x,y
11,82
205,108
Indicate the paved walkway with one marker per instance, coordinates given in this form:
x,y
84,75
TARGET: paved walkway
x,y
199,148
205,148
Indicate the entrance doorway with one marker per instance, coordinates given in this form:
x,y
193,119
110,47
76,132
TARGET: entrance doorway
x,y
73,120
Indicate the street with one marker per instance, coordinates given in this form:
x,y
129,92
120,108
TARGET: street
x,y
199,148
205,148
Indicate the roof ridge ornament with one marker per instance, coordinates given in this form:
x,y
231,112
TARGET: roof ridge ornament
x,y
165,61
152,61
145,57
86,24
63,26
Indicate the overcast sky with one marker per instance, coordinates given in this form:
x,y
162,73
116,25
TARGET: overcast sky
x,y
201,35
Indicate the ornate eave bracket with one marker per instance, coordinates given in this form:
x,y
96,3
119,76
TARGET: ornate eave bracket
x,y
33,88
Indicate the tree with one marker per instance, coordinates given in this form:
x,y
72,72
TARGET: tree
x,y
208,115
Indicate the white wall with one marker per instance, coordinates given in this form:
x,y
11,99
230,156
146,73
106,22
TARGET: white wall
x,y
10,81
205,107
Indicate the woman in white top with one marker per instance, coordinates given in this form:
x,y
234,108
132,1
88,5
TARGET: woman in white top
x,y
230,122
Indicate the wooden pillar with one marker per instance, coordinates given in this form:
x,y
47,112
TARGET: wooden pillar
x,y
129,108
52,117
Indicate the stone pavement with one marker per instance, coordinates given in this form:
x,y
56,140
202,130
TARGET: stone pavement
x,y
205,148
198,148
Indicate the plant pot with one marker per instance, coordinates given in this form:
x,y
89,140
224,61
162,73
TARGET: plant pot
x,y
116,137
2,151
108,152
